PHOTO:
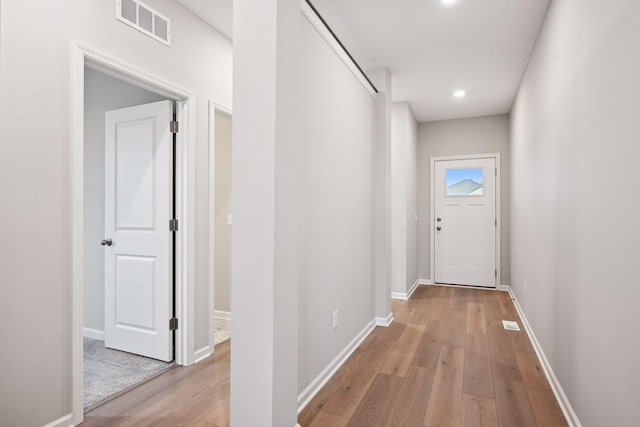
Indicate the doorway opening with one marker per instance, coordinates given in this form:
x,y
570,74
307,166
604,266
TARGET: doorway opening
x,y
221,221
128,248
465,220
132,267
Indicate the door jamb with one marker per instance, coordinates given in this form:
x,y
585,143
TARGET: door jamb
x,y
214,108
432,261
81,56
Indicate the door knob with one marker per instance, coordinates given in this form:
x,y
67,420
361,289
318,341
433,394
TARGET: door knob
x,y
439,219
438,228
107,242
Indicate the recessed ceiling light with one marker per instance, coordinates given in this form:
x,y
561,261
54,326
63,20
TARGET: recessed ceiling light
x,y
459,94
449,1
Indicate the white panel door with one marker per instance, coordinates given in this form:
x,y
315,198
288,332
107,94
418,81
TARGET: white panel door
x,y
138,206
465,221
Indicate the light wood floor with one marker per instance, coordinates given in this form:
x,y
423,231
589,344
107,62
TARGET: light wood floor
x,y
445,361
193,396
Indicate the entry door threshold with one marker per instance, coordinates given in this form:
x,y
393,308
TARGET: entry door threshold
x,y
485,288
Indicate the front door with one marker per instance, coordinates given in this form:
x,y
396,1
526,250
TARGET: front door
x,y
465,221
138,243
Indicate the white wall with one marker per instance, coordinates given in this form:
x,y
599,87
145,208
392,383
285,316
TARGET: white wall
x,y
223,139
335,205
479,135
575,205
102,93
404,194
381,196
35,177
264,255
412,201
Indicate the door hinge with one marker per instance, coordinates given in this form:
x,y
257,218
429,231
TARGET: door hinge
x,y
173,324
495,169
173,126
173,225
495,273
496,222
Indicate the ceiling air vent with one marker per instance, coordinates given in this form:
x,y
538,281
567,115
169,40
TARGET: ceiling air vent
x,y
144,19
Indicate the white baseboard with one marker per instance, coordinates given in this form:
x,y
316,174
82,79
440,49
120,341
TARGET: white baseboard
x,y
399,295
316,385
65,421
413,289
222,314
405,296
384,321
201,354
93,333
425,281
561,397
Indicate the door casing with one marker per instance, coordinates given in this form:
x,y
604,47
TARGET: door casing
x,y
432,245
214,108
82,56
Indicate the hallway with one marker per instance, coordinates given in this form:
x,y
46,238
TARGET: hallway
x,y
445,360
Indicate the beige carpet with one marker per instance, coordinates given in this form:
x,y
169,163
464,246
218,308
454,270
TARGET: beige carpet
x,y
109,372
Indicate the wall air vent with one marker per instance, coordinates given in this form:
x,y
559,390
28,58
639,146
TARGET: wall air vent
x,y
144,19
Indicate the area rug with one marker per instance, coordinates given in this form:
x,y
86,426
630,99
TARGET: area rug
x,y
109,372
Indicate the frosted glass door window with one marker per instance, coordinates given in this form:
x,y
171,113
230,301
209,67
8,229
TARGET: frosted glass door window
x,y
465,182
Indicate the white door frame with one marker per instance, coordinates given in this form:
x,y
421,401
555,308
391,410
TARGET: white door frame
x,y
214,108
81,56
432,263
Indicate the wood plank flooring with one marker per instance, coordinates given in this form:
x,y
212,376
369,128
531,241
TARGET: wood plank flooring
x,y
446,360
193,396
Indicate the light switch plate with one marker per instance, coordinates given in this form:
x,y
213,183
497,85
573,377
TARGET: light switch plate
x,y
229,219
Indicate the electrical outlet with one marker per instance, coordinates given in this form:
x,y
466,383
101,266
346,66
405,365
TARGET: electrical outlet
x,y
335,319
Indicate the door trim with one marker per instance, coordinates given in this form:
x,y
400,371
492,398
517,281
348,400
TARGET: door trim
x,y
432,245
81,56
214,108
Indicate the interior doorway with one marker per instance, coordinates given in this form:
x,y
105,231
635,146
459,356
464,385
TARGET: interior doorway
x,y
222,220
465,220
85,58
128,247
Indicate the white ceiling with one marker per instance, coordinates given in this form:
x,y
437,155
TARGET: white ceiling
x,y
217,13
433,49
430,48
